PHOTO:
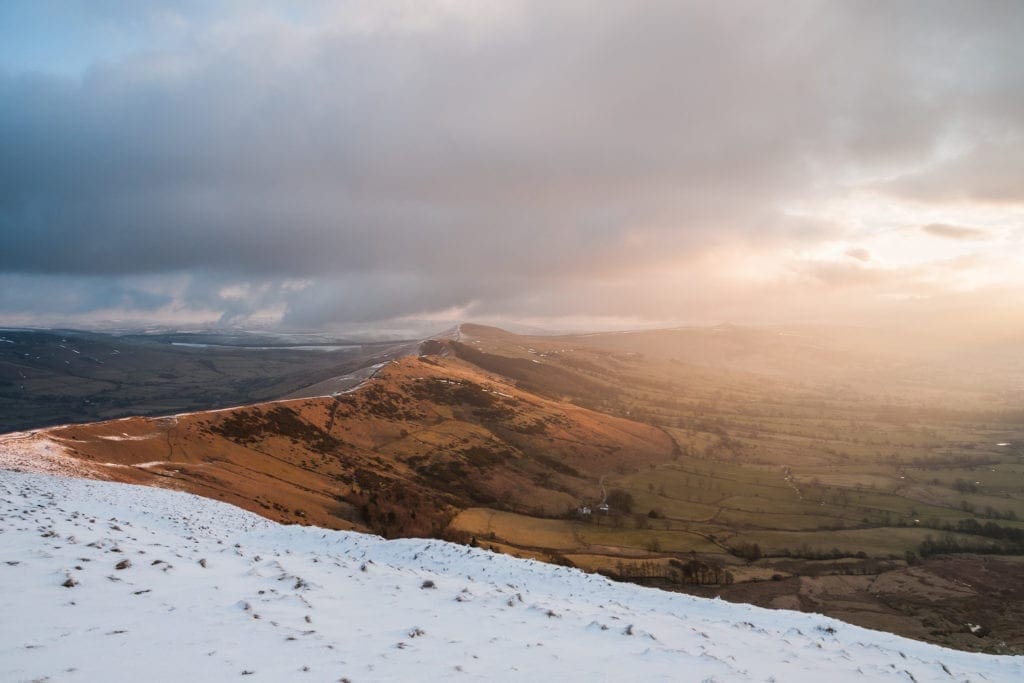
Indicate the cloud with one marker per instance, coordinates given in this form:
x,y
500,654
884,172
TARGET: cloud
x,y
73,296
406,159
843,274
955,232
990,172
859,253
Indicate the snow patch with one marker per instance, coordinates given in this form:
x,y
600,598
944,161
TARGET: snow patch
x,y
124,437
211,593
36,452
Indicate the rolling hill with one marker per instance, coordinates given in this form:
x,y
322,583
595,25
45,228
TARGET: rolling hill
x,y
895,507
423,439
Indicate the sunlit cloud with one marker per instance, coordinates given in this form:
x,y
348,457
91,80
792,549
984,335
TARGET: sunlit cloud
x,y
954,232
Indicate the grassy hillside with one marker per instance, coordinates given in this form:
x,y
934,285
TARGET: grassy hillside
x,y
424,439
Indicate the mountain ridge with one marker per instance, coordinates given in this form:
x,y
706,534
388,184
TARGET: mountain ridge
x,y
422,427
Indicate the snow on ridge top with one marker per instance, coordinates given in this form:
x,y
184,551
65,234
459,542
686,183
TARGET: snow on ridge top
x,y
107,581
36,451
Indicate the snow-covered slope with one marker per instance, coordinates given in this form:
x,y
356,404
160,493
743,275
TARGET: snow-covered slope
x,y
109,582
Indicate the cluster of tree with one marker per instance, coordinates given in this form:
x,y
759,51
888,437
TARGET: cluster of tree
x,y
394,509
973,526
988,530
992,513
1004,540
955,460
748,551
804,552
691,572
620,501
697,572
950,544
964,486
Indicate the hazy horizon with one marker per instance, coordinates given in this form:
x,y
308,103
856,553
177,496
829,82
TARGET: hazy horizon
x,y
563,166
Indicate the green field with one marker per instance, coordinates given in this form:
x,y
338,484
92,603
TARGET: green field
x,y
798,466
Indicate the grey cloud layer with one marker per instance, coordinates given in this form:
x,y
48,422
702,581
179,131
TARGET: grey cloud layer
x,y
402,171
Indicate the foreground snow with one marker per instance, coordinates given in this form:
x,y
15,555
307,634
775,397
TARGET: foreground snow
x,y
212,593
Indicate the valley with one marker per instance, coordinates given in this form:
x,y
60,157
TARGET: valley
x,y
50,377
895,505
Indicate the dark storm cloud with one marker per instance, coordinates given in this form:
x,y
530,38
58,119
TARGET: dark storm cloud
x,y
32,293
400,170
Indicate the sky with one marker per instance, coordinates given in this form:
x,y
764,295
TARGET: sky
x,y
343,165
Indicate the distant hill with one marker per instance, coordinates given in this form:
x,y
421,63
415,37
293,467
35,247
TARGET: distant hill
x,y
57,377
